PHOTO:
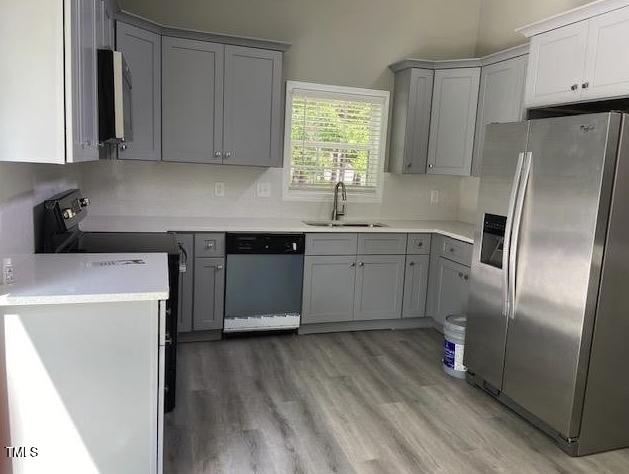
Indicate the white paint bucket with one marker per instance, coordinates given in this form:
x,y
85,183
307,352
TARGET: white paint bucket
x,y
454,345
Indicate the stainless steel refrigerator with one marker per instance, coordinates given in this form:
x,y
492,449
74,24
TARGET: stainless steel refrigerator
x,y
548,317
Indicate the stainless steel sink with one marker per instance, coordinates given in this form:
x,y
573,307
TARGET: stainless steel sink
x,y
343,224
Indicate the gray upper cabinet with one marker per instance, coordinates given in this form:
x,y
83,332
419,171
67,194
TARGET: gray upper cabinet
x,y
452,121
209,293
252,107
192,100
186,284
415,286
452,289
500,99
412,98
379,287
141,50
328,293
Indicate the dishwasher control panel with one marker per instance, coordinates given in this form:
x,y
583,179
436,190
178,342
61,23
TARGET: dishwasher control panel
x,y
249,243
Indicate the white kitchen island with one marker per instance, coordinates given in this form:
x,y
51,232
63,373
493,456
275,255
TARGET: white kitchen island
x,y
81,367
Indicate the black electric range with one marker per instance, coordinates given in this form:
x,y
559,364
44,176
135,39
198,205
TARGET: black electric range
x,y
57,231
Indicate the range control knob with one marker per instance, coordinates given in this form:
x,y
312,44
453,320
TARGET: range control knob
x,y
84,202
69,213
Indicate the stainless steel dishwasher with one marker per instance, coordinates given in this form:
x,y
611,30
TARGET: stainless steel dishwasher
x,y
263,282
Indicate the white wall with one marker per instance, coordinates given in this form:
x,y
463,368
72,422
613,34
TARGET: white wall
x,y
22,186
163,189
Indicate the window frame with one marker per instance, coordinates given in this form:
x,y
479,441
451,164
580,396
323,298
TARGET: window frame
x,y
322,196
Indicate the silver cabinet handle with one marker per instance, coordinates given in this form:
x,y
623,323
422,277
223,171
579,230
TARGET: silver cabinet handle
x,y
420,244
228,154
430,165
217,154
123,147
574,87
585,85
352,265
209,244
361,264
219,267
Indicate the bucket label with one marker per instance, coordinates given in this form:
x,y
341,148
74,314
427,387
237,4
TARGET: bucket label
x,y
453,356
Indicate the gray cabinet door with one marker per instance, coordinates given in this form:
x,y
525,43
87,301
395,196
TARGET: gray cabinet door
x,y
412,99
186,284
192,100
252,107
83,128
452,289
328,294
415,286
141,50
209,293
500,100
379,287
452,121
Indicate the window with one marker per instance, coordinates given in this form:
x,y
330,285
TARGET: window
x,y
334,134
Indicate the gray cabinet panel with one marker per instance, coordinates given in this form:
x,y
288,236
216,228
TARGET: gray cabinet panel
x,y
431,299
252,107
328,294
379,287
452,289
331,244
209,293
209,245
141,50
412,98
415,286
192,100
456,250
418,244
186,284
382,244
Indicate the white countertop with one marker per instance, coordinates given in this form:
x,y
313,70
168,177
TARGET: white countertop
x,y
454,229
86,278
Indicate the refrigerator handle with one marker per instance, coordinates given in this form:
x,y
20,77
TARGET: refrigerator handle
x,y
507,238
515,232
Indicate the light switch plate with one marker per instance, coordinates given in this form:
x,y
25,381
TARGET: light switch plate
x,y
264,190
434,197
219,189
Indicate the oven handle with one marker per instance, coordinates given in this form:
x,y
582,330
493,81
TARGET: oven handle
x,y
183,258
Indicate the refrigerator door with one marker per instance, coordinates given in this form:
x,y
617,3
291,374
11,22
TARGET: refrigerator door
x,y
559,252
487,322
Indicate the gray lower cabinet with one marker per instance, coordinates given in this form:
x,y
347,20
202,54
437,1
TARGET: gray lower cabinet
x,y
141,50
209,293
192,100
186,284
379,287
328,293
252,107
452,289
415,286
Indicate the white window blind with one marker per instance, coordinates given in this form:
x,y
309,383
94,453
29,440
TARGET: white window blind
x,y
335,134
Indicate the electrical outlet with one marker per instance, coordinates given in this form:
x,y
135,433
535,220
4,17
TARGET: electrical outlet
x,y
434,197
264,190
219,189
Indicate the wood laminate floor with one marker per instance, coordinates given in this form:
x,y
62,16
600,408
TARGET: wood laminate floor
x,y
362,402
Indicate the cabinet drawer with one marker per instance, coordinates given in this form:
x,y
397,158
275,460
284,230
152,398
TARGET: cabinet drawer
x,y
209,245
331,244
457,251
382,244
418,244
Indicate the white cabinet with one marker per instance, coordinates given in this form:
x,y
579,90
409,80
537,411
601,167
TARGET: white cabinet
x,y
555,69
580,61
606,60
499,100
49,93
452,121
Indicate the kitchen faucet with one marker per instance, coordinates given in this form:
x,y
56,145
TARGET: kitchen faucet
x,y
336,213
